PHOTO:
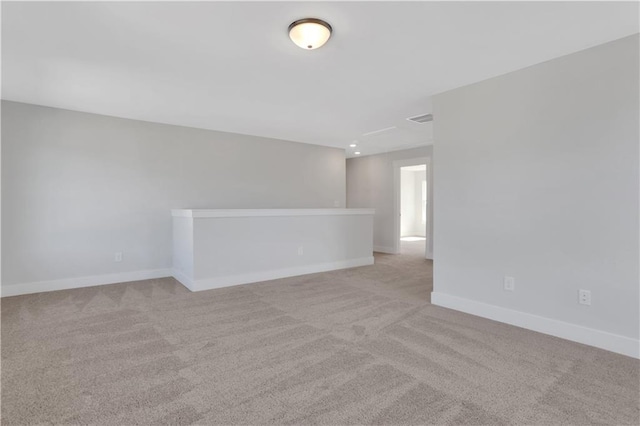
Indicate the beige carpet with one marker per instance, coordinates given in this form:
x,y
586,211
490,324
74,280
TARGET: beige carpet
x,y
359,346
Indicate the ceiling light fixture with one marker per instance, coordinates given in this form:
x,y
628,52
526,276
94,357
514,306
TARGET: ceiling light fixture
x,y
309,33
353,145
357,153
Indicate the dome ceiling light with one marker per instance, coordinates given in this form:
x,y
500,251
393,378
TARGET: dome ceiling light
x,y
309,33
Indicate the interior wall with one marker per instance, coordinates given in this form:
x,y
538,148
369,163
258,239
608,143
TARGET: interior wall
x,y
537,178
370,184
78,187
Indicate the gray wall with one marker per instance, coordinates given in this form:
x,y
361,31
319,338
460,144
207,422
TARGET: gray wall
x,y
77,187
537,177
370,184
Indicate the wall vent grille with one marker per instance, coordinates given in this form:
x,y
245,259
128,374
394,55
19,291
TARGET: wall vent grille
x,y
424,118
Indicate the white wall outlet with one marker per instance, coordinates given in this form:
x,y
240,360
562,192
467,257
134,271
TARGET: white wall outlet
x,y
584,297
509,283
118,257
336,203
300,251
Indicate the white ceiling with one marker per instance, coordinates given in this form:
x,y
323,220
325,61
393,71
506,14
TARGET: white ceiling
x,y
230,66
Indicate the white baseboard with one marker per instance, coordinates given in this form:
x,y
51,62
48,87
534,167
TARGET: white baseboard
x,y
576,333
383,249
182,279
79,282
197,285
231,280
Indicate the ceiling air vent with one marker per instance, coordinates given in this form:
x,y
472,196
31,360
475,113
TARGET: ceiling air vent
x,y
425,118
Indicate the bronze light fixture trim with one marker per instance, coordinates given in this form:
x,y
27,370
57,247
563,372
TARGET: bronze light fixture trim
x,y
310,33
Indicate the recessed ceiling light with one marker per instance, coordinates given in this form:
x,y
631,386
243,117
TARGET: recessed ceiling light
x,y
357,153
353,145
309,33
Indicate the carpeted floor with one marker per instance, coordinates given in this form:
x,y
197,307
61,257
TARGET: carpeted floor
x,y
358,346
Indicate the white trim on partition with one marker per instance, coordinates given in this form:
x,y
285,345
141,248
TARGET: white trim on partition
x,y
588,336
268,212
79,282
231,280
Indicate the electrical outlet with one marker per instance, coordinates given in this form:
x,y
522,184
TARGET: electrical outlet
x,y
300,251
509,283
118,257
336,203
584,297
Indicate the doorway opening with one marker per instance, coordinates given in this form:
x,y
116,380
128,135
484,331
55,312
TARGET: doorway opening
x,y
413,207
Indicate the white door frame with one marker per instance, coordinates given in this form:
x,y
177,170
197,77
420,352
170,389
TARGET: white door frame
x,y
397,165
